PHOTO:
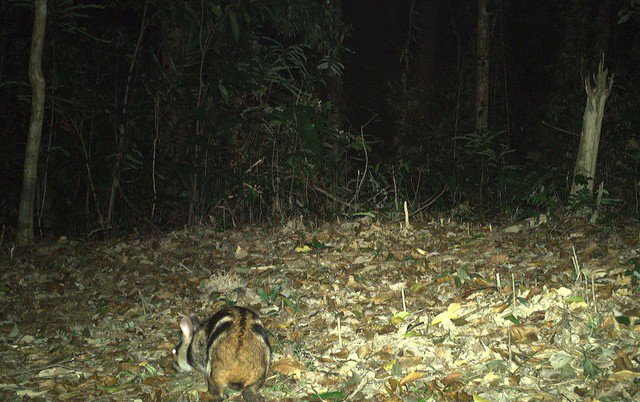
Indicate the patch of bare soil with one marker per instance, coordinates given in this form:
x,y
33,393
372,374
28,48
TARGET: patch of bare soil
x,y
356,310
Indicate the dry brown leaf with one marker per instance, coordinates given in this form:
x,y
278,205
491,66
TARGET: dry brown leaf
x,y
480,282
624,375
288,365
451,378
329,380
294,335
363,351
156,381
410,361
499,309
341,354
499,259
128,367
108,381
533,292
524,333
411,377
622,361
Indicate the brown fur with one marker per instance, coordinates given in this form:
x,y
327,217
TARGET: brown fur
x,y
231,348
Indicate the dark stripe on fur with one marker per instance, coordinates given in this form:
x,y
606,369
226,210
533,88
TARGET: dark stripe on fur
x,y
190,359
216,334
215,319
259,329
242,322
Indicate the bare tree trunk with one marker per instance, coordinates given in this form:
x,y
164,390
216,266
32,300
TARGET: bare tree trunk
x,y
591,127
483,41
30,173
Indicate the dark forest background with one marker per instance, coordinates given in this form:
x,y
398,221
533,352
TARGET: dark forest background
x,y
165,113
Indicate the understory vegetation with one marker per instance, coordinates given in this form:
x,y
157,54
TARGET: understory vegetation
x,y
161,114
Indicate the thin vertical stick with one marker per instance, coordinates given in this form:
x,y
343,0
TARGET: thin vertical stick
x,y
593,295
395,191
406,216
404,303
509,345
576,265
513,289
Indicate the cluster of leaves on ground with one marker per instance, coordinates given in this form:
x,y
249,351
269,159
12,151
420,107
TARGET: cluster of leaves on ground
x,y
357,310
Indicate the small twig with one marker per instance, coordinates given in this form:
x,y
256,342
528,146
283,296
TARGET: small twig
x,y
428,204
358,389
331,196
339,334
593,295
562,130
407,225
57,364
509,345
513,290
395,190
404,302
576,265
144,303
184,267
366,160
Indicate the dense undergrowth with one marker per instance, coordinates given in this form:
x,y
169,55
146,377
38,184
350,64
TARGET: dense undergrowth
x,y
186,112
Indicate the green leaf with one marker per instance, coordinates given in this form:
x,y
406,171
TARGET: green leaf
x,y
512,318
438,339
463,274
329,395
590,369
223,90
318,245
235,29
575,299
401,314
398,317
149,371
623,319
396,369
496,366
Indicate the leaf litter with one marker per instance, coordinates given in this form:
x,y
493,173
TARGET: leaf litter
x,y
356,310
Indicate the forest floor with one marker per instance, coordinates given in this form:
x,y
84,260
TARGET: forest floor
x,y
356,310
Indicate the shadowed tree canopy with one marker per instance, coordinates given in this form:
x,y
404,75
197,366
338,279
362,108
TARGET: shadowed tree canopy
x,y
165,113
